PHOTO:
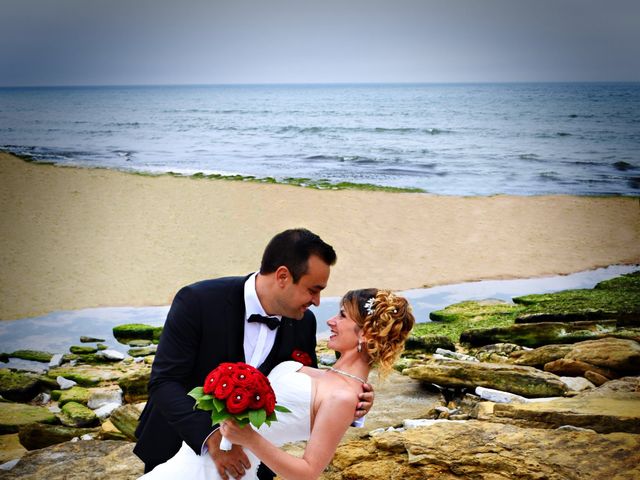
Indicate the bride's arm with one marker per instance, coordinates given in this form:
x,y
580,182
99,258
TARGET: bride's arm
x,y
332,419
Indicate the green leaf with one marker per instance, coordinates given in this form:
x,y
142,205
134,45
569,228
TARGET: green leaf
x,y
218,417
272,417
196,393
242,416
205,404
219,404
257,417
282,408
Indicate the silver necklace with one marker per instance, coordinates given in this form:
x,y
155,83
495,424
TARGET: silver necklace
x,y
361,380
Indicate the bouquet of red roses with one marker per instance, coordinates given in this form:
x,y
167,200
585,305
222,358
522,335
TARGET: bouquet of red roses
x,y
238,391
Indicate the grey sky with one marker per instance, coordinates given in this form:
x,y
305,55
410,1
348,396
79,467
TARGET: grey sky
x,y
101,42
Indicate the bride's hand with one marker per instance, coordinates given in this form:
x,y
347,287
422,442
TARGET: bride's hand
x,y
365,401
236,434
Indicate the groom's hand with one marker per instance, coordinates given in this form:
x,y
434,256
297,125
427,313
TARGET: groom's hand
x,y
233,463
365,401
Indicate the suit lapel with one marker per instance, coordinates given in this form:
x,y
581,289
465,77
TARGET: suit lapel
x,y
282,343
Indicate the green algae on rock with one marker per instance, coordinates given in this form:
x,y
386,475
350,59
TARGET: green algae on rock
x,y
74,394
74,414
33,355
136,331
15,415
18,386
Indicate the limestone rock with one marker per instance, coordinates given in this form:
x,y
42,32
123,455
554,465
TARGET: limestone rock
x,y
524,381
136,331
142,351
40,435
10,448
111,355
125,419
479,450
429,343
538,334
577,384
134,385
19,387
103,396
595,378
542,355
33,355
87,375
85,339
74,414
79,461
616,412
82,350
576,368
108,431
614,353
14,415
65,383
74,394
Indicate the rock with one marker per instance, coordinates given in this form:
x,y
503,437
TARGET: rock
x,y
108,431
79,461
140,343
538,357
82,350
616,412
481,450
19,387
455,355
538,334
473,310
136,331
614,353
429,343
87,375
134,385
40,435
576,368
326,359
525,381
56,360
577,384
125,419
106,410
74,414
15,415
33,355
111,355
595,378
74,394
582,316
84,339
41,399
65,384
10,448
103,396
142,351
498,396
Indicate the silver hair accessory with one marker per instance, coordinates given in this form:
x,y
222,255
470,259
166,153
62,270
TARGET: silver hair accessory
x,y
368,306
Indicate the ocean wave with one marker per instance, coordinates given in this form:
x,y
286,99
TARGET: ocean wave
x,y
397,130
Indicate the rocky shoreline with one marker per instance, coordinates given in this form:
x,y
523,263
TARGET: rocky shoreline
x,y
547,387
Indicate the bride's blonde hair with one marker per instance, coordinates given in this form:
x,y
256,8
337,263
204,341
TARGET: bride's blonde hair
x,y
385,319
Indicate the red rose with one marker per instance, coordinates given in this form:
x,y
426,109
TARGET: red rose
x,y
238,401
227,368
303,357
256,400
223,388
211,381
244,378
269,402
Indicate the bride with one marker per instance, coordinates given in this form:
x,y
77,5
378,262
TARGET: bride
x,y
370,330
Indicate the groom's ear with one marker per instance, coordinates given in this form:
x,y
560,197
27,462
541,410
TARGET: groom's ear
x,y
283,276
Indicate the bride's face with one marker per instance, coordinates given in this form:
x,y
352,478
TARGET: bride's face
x,y
344,332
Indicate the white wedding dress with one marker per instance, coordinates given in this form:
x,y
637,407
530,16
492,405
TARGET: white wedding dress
x,y
293,390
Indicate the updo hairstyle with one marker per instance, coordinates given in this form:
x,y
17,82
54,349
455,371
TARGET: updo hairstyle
x,y
385,319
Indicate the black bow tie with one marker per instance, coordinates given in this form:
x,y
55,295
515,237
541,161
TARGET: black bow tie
x,y
270,322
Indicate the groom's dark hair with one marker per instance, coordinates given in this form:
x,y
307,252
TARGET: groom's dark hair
x,y
292,249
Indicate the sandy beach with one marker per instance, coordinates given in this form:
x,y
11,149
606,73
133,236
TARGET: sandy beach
x,y
75,238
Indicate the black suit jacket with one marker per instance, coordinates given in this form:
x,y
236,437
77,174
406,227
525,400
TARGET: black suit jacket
x,y
204,327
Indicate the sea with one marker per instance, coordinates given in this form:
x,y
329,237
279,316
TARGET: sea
x,y
447,139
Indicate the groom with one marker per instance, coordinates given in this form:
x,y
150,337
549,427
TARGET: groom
x,y
213,321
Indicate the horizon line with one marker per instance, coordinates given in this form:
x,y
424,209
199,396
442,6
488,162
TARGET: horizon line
x,y
293,84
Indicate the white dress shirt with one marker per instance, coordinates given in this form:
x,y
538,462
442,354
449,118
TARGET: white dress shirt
x,y
258,338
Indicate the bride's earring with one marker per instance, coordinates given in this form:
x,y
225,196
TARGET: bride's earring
x,y
359,346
